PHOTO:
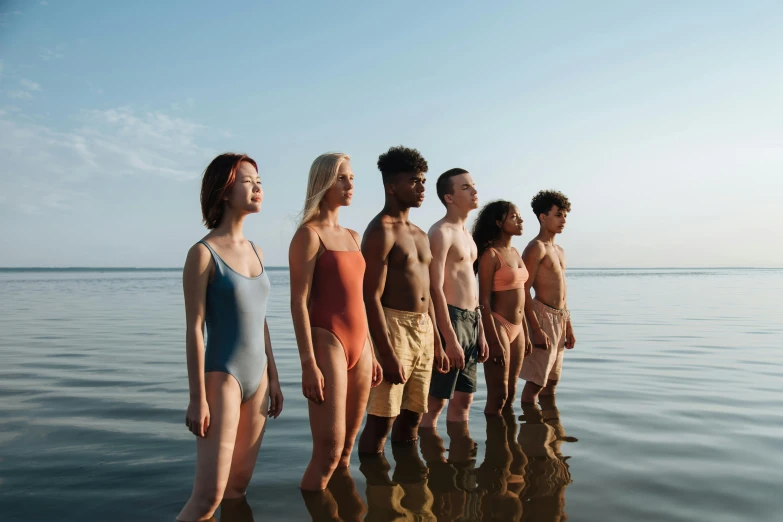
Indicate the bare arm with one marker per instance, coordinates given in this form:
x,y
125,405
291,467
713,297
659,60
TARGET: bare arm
x,y
532,257
302,256
195,279
440,244
486,273
378,242
275,392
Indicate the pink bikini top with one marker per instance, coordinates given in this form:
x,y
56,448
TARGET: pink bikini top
x,y
507,277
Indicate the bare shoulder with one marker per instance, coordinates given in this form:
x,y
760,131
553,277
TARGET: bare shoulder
x,y
355,235
488,256
440,231
198,264
535,249
199,254
305,241
436,228
258,250
378,229
378,238
559,249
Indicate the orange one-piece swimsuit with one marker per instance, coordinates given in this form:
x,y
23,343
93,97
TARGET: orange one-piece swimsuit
x,y
336,299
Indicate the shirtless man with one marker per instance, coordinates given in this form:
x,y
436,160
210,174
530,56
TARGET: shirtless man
x,y
399,309
549,322
455,298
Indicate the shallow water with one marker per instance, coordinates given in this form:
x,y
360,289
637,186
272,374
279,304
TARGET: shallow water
x,y
669,409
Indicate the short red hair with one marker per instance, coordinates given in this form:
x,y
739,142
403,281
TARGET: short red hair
x,y
218,179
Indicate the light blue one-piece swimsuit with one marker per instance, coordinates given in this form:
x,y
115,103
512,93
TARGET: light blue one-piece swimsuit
x,y
235,313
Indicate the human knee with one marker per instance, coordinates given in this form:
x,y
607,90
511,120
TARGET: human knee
x,y
206,500
237,483
496,402
327,452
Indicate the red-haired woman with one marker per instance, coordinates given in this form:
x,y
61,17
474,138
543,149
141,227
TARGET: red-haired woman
x,y
233,378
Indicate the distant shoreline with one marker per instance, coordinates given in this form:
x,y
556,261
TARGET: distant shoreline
x,y
285,268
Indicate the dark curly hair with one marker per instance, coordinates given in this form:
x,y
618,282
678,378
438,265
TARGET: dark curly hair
x,y
445,185
543,201
485,229
401,159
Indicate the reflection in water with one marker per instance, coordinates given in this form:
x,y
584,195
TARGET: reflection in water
x,y
452,480
235,510
339,502
522,478
547,474
411,474
499,484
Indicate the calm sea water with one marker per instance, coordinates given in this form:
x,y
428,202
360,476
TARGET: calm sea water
x,y
670,409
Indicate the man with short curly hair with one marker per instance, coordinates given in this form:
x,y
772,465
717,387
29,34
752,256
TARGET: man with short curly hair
x,y
547,313
399,309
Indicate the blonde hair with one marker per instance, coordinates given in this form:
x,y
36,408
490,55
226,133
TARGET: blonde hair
x,y
323,174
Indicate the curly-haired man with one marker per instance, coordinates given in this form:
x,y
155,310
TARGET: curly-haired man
x,y
397,299
547,313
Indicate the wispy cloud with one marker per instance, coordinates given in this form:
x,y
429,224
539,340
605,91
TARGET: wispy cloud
x,y
24,90
52,53
44,2
29,85
118,141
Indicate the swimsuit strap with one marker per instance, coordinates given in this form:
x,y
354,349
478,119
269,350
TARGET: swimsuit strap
x,y
215,256
259,257
502,261
319,236
354,240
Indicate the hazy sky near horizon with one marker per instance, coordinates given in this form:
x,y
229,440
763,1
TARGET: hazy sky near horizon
x,y
662,122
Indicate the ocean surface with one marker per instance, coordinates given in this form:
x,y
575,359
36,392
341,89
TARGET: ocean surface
x,y
670,408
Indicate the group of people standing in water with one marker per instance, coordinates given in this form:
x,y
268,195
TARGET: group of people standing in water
x,y
392,323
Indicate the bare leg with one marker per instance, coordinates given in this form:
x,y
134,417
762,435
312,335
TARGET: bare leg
x,y
549,389
459,407
327,420
530,392
406,427
516,358
214,452
373,438
434,408
252,420
497,376
359,382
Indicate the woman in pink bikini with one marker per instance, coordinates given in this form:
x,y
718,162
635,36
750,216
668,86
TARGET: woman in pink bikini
x,y
502,275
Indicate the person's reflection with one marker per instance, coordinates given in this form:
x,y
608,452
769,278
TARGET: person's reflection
x,y
516,480
494,474
339,502
384,496
452,481
547,473
411,474
235,510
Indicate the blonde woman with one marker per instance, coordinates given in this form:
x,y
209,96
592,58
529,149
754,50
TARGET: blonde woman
x,y
338,366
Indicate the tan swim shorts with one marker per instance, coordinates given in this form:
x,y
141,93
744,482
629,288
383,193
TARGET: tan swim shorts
x,y
413,341
543,365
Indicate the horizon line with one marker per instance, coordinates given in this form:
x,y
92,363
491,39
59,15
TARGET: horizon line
x,y
285,267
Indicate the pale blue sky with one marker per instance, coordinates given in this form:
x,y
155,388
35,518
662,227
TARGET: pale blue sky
x,y
662,122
